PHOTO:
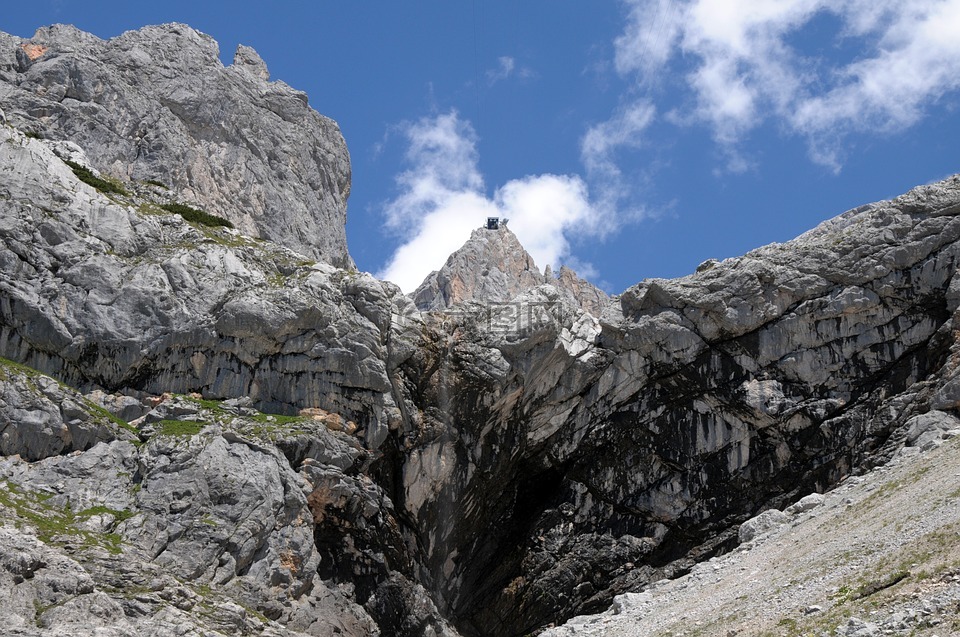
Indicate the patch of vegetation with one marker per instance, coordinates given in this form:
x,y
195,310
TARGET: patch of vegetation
x,y
105,415
876,586
277,419
207,403
59,525
32,134
180,427
148,208
119,516
86,176
25,369
196,216
159,184
19,367
788,622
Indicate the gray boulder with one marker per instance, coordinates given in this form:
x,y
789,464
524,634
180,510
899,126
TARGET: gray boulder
x,y
805,504
767,521
927,430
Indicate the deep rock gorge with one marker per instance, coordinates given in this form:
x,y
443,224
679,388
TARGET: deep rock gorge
x,y
252,437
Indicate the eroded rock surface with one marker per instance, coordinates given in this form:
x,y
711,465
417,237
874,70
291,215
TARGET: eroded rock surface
x,y
39,417
493,267
157,104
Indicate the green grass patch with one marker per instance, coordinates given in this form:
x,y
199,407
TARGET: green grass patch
x,y
58,525
86,176
196,216
105,415
119,516
277,419
212,405
20,367
180,427
876,586
154,182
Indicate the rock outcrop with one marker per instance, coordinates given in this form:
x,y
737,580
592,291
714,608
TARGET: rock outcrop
x,y
40,417
157,105
495,468
493,267
602,455
874,556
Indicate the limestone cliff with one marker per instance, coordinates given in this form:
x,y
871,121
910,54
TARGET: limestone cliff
x,y
309,453
492,266
157,105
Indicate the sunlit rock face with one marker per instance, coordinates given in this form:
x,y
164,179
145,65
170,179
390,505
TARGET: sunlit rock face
x,y
478,467
157,104
493,267
598,455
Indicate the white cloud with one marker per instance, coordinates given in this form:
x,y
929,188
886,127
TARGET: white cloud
x,y
442,199
743,62
506,68
598,149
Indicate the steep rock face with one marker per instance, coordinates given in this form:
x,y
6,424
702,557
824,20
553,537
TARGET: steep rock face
x,y
102,294
157,104
492,266
588,296
595,457
148,302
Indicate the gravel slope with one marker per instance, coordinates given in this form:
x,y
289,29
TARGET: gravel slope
x,y
878,555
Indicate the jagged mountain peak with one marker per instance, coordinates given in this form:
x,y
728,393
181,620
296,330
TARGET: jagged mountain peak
x,y
493,266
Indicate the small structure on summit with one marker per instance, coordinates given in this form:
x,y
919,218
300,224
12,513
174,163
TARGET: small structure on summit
x,y
493,223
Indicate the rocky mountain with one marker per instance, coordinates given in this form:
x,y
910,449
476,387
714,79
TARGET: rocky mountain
x,y
158,105
492,266
210,433
878,555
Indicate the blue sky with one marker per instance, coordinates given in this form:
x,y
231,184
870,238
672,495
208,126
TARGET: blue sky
x,y
629,139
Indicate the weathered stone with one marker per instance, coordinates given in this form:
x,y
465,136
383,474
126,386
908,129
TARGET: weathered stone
x,y
930,427
493,267
157,104
40,418
764,523
804,504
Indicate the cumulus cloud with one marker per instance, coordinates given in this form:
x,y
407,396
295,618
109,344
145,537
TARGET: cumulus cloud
x,y
442,199
743,63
